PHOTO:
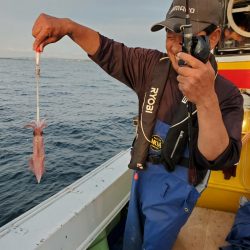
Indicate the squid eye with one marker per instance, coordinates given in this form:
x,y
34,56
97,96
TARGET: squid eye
x,y
34,133
41,132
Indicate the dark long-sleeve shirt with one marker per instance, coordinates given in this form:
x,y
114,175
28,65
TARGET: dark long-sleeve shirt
x,y
134,67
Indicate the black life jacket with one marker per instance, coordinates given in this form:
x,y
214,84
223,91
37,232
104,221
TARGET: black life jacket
x,y
148,109
172,152
177,136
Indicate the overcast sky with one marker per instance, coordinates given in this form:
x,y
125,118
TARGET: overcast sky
x,y
125,21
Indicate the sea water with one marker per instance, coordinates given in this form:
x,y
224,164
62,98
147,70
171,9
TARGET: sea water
x,y
89,117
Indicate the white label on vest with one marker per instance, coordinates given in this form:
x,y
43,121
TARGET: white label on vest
x,y
151,100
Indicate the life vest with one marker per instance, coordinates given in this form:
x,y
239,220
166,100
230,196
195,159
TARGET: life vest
x,y
148,109
172,152
176,139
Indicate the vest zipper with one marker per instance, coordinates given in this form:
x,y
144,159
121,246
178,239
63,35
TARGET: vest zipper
x,y
176,144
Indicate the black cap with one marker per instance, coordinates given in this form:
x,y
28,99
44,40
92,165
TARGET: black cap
x,y
202,14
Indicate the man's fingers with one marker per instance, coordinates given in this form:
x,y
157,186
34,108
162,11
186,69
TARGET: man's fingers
x,y
45,42
38,41
41,39
181,87
41,31
194,67
37,27
183,80
49,40
36,30
184,85
190,60
185,70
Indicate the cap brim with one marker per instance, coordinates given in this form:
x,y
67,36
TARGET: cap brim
x,y
174,25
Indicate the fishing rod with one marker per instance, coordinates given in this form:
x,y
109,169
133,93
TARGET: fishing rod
x,y
199,47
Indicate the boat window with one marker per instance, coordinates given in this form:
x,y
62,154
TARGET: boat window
x,y
235,25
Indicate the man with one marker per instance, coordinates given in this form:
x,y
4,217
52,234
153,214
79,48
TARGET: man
x,y
162,200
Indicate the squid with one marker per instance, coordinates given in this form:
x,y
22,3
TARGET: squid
x,y
36,161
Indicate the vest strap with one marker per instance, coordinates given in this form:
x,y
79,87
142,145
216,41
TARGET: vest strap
x,y
148,114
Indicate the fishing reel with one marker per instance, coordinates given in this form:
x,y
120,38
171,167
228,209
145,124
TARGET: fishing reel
x,y
200,48
197,46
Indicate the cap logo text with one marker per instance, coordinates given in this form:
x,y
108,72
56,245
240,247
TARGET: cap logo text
x,y
182,8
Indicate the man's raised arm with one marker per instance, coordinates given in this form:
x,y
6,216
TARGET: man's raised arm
x,y
48,29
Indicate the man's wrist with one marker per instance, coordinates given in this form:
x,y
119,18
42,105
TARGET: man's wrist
x,y
69,26
209,102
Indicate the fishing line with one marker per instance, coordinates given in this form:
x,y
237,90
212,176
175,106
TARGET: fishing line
x,y
37,71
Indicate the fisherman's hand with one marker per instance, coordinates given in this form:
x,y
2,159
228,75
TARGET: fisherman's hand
x,y
48,29
196,80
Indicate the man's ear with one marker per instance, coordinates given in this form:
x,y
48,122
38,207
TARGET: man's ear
x,y
214,38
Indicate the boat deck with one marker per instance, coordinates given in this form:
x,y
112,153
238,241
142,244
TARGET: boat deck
x,y
206,229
